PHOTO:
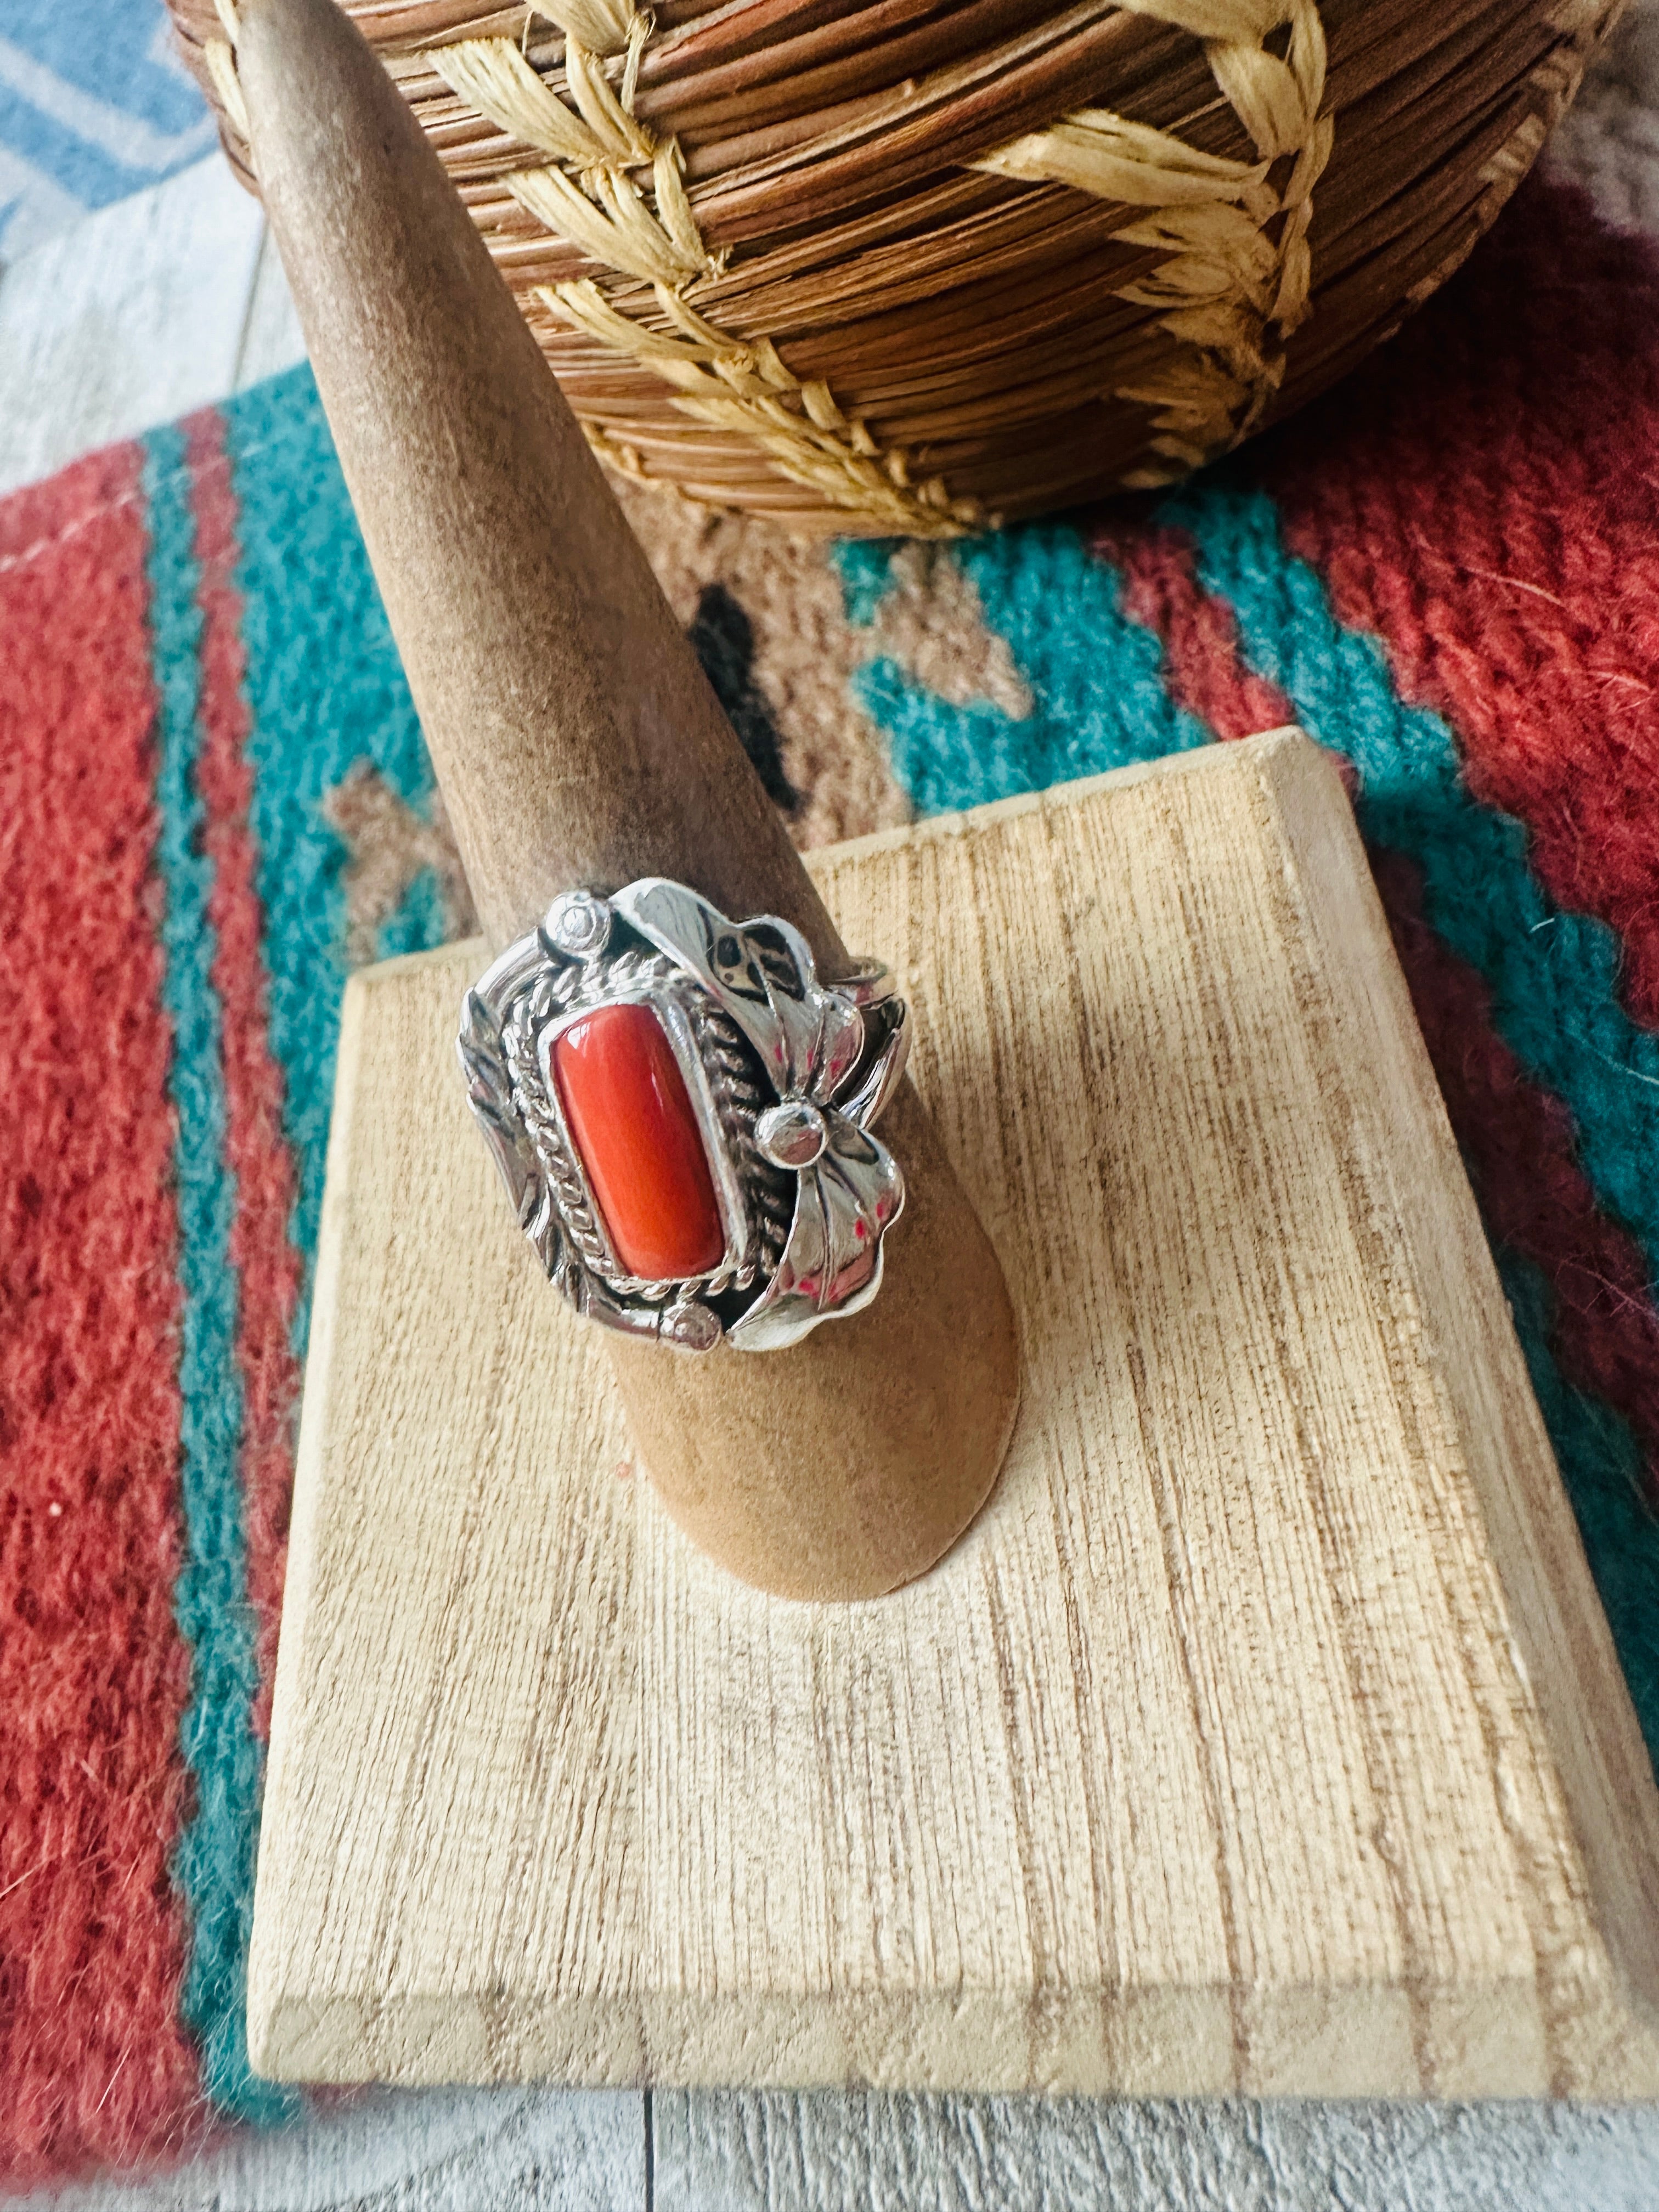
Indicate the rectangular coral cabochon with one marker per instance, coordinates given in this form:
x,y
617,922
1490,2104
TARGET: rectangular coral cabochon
x,y
633,1122
1263,1735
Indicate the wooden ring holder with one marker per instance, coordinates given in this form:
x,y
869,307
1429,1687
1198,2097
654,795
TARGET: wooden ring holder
x,y
578,743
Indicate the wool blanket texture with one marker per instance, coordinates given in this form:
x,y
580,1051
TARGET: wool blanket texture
x,y
215,799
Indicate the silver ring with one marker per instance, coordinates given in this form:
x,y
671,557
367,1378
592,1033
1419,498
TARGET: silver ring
x,y
680,1108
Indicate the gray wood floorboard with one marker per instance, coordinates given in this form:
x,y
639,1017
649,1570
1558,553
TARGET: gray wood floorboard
x,y
271,337
134,317
436,2150
772,2153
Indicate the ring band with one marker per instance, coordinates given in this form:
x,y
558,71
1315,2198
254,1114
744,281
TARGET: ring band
x,y
680,1108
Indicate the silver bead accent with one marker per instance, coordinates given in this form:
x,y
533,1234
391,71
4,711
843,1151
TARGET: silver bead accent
x,y
791,1134
690,1327
578,925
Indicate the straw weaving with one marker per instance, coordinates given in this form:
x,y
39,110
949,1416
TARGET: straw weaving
x,y
922,269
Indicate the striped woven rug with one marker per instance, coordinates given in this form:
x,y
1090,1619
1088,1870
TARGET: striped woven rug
x,y
214,799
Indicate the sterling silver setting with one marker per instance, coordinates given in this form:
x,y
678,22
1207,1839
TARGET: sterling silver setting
x,y
786,1073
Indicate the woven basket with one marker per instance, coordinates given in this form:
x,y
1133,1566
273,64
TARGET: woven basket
x,y
891,266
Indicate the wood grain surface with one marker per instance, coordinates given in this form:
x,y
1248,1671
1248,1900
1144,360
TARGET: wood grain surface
x,y
769,2151
1264,1733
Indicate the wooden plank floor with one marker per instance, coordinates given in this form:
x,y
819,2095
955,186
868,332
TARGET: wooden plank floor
x,y
164,302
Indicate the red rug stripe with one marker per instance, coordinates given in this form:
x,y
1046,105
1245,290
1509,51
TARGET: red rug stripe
x,y
37,523
93,1675
267,1264
1201,664
1516,1138
1496,520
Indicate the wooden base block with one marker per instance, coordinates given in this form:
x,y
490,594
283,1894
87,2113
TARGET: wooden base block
x,y
1264,1733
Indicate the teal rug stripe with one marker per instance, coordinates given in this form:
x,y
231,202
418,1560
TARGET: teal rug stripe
x,y
1554,975
1096,675
325,690
1601,1464
213,1863
420,922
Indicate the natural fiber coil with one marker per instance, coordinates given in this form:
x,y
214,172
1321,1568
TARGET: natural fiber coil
x,y
921,266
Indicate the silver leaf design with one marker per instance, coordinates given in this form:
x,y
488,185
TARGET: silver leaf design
x,y
832,1261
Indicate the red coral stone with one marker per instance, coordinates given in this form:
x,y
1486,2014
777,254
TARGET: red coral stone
x,y
630,1117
